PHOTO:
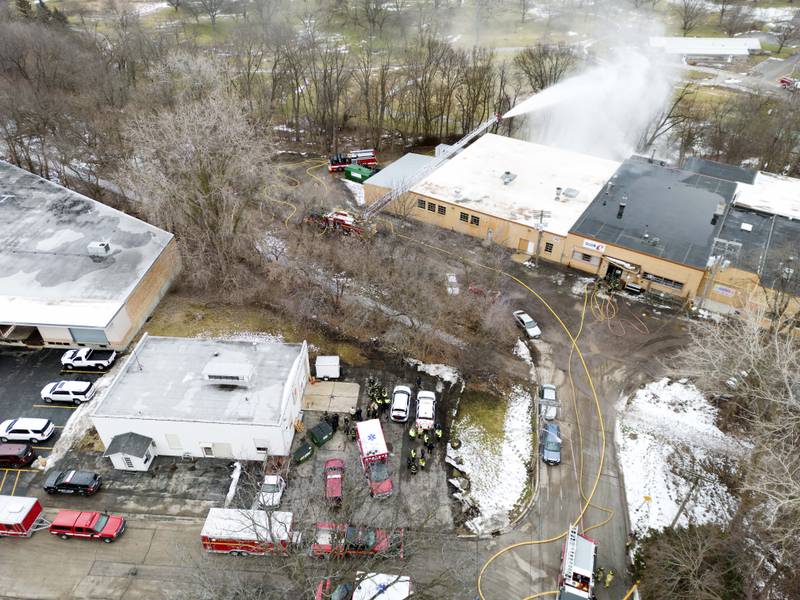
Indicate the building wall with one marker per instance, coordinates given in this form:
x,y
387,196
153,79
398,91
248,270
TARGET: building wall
x,y
661,272
504,232
144,298
118,460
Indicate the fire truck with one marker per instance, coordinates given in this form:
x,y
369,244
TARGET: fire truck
x,y
248,532
365,158
576,581
341,221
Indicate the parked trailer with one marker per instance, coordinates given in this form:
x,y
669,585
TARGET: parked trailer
x,y
21,516
248,532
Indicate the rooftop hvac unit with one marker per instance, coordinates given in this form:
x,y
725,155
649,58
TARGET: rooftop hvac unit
x,y
508,177
220,371
99,250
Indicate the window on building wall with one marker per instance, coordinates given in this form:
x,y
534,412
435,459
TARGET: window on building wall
x,y
208,451
431,207
420,203
586,257
677,285
474,220
464,217
442,209
128,462
548,247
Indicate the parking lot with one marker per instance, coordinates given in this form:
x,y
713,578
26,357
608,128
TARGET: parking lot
x,y
23,374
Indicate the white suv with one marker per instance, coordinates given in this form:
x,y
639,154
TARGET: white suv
x,y
68,391
426,410
26,430
401,403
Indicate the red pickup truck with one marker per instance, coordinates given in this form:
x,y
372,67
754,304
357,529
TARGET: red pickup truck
x,y
92,525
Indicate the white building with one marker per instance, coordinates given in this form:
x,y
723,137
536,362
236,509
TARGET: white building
x,y
73,271
207,398
700,48
130,452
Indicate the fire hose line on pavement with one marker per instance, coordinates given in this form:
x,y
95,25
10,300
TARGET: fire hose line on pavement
x,y
577,349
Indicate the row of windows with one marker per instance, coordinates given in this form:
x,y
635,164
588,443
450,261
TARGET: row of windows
x,y
471,219
663,281
442,210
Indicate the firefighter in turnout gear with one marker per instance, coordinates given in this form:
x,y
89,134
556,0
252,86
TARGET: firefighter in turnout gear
x,y
412,433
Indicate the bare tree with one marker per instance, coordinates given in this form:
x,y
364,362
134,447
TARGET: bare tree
x,y
737,20
785,32
545,64
723,5
176,4
691,13
212,8
198,169
675,114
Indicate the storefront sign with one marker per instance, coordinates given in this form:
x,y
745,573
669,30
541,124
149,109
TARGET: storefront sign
x,y
592,245
724,290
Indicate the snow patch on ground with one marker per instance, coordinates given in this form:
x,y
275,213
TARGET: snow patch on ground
x,y
443,372
272,247
666,439
581,284
356,189
79,422
261,337
497,472
521,350
148,8
235,475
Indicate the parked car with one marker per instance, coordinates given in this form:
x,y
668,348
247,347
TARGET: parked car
x,y
426,409
88,358
91,525
271,492
547,392
26,430
338,540
327,591
68,391
16,455
401,403
380,483
84,483
528,325
551,444
333,471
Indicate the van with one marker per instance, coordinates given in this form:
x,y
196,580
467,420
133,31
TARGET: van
x,y
16,455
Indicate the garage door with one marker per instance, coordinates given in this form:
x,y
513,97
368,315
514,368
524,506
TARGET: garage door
x,y
222,450
83,335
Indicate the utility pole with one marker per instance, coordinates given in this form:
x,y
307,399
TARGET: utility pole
x,y
539,229
722,252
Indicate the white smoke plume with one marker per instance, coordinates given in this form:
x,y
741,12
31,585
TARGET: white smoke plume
x,y
603,110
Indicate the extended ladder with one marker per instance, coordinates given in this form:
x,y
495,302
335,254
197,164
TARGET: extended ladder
x,y
410,181
569,553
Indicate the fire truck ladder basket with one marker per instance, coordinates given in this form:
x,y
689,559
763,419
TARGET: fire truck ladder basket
x,y
409,182
569,553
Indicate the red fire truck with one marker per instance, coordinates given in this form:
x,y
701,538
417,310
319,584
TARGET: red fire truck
x,y
248,532
365,158
579,553
21,516
374,457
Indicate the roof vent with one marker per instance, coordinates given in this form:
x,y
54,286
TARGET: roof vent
x,y
621,209
508,177
747,227
99,250
571,192
221,371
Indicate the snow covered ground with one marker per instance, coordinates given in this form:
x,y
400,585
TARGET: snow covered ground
x,y
497,470
245,336
147,8
443,372
668,444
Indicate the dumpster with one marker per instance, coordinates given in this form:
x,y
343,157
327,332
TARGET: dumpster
x,y
320,433
357,173
303,452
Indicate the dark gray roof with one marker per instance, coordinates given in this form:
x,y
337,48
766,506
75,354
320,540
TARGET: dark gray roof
x,y
669,213
129,443
771,245
719,170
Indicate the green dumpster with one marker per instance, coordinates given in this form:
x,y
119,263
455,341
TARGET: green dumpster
x,y
320,433
303,453
357,173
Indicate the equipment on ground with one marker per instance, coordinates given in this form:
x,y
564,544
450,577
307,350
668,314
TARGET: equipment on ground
x,y
340,221
789,83
393,194
339,162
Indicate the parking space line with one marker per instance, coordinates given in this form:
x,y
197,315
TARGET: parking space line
x,y
43,447
16,481
54,406
67,372
58,426
2,483
18,470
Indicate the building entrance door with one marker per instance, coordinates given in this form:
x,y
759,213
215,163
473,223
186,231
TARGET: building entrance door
x,y
613,273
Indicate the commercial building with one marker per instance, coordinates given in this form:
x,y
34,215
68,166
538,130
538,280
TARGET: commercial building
x,y
651,228
207,398
514,193
700,49
73,271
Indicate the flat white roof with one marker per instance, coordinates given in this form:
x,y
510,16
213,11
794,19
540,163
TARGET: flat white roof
x,y
473,180
769,193
47,275
249,525
14,509
163,379
706,46
382,586
371,437
397,172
